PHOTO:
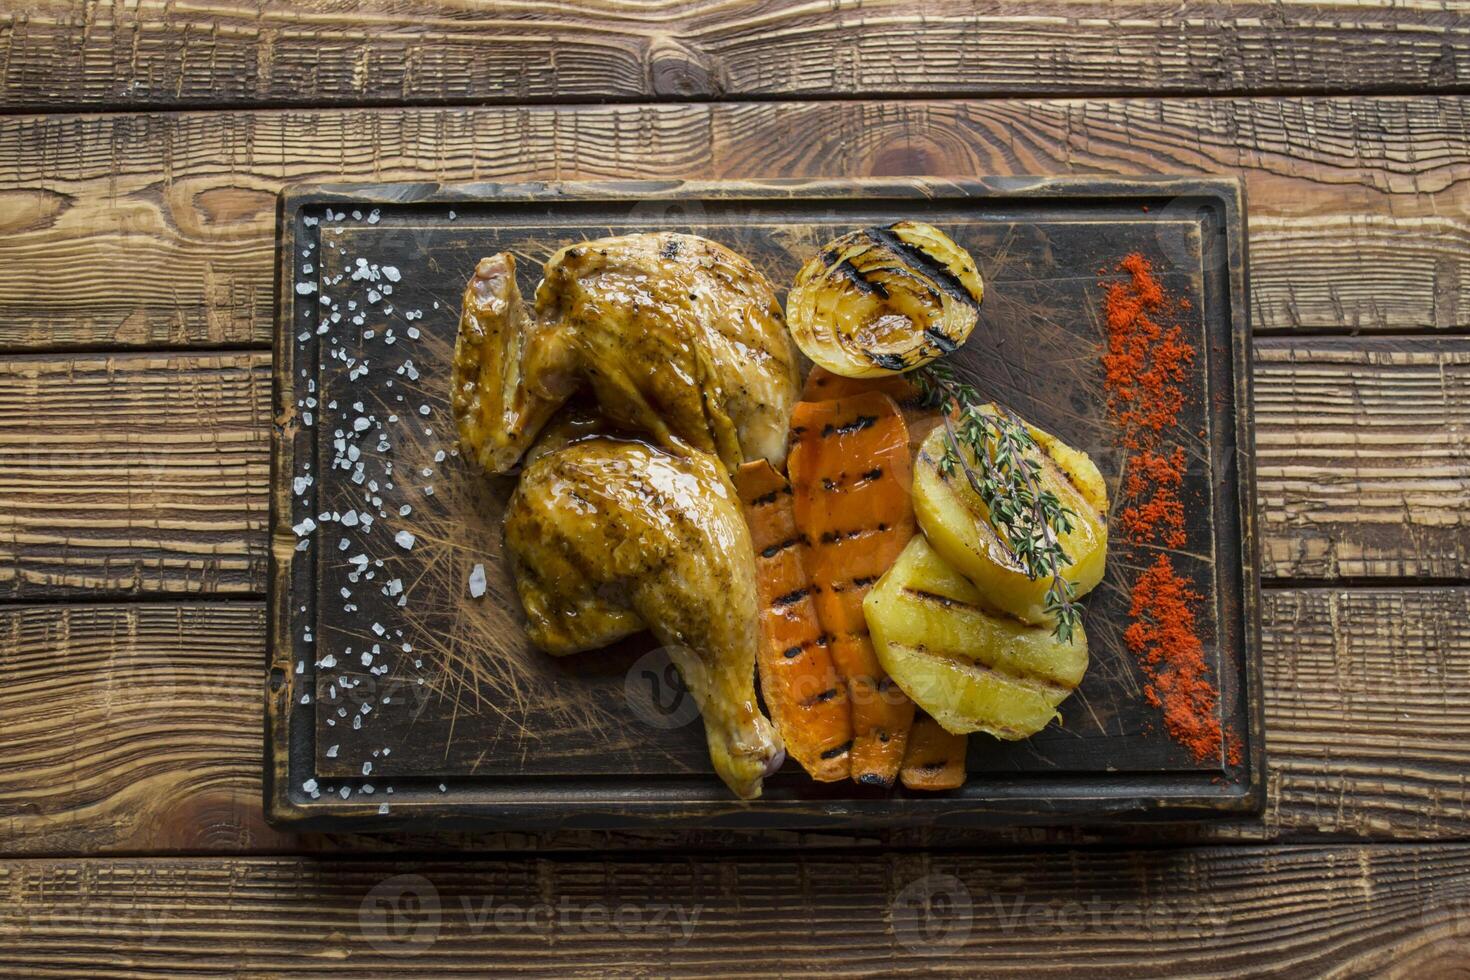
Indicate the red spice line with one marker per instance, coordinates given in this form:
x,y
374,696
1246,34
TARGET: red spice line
x,y
1145,366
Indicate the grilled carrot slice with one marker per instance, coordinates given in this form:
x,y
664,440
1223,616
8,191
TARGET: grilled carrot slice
x,y
822,384
934,759
851,475
802,690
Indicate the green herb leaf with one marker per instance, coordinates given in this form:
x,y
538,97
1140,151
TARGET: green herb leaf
x,y
1006,476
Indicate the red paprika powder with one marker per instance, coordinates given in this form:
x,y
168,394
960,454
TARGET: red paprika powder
x,y
1145,365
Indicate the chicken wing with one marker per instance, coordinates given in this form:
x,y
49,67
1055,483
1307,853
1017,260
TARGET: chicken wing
x,y
608,536
675,335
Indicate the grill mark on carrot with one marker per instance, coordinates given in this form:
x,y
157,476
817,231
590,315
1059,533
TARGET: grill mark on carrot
x,y
934,759
802,690
788,598
848,428
837,751
771,551
856,534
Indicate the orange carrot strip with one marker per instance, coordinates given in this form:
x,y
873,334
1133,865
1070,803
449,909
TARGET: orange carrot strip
x,y
934,759
802,690
822,384
851,477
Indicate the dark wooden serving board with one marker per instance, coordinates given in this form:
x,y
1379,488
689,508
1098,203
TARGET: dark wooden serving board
x,y
466,723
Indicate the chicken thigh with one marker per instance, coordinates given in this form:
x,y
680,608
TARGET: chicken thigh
x,y
608,536
674,335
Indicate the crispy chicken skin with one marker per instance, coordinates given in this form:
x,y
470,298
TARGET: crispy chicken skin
x,y
675,335
608,536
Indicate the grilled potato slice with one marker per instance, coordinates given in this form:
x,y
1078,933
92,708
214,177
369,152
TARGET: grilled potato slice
x,y
884,300
971,669
957,523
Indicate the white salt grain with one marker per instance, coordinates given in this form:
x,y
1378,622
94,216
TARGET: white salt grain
x,y
405,540
477,581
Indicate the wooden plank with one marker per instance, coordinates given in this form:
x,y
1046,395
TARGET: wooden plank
x,y
157,229
1346,910
1361,465
132,474
157,54
133,727
1361,468
137,728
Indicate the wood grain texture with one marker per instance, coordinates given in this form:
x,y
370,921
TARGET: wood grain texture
x,y
157,229
154,53
141,473
1361,464
137,728
144,474
1319,911
133,727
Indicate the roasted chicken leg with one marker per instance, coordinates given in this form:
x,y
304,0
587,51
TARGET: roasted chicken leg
x,y
608,536
675,336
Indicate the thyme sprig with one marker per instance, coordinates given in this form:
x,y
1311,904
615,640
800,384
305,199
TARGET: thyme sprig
x,y
1007,477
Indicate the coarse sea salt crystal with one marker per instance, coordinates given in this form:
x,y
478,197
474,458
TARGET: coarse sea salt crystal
x,y
332,752
391,271
413,333
305,288
359,424
309,786
306,526
405,540
477,581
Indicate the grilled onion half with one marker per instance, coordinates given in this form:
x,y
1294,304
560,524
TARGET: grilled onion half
x,y
884,300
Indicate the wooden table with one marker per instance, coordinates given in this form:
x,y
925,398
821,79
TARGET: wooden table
x,y
141,147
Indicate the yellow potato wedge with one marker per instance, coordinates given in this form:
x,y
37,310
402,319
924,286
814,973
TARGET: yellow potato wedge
x,y
957,523
971,669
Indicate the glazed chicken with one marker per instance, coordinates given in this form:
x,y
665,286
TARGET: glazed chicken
x,y
609,536
681,342
675,335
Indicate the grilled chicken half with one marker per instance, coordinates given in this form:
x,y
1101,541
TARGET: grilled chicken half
x,y
608,536
674,335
